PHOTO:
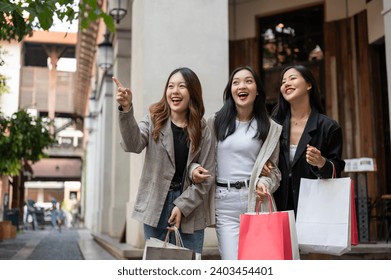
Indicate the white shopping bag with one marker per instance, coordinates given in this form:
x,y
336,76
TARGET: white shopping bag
x,y
323,216
156,249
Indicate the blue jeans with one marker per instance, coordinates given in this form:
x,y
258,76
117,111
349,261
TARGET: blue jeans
x,y
194,241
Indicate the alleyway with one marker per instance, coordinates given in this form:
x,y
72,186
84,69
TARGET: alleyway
x,y
50,244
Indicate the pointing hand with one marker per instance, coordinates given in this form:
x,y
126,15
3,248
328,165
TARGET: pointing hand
x,y
124,96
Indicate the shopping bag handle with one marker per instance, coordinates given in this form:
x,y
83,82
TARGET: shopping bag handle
x,y
269,197
178,238
334,171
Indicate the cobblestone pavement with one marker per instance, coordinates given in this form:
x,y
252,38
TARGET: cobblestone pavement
x,y
42,244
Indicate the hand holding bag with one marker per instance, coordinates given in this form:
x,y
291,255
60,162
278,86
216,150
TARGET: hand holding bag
x,y
155,249
268,236
324,218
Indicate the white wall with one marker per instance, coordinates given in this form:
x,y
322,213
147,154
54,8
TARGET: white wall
x,y
169,34
375,21
11,69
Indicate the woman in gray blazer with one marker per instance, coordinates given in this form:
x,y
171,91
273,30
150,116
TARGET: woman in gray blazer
x,y
175,135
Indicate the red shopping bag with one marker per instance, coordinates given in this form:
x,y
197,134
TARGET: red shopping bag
x,y
354,229
353,213
268,236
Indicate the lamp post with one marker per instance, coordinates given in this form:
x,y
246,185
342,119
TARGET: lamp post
x,y
105,53
117,9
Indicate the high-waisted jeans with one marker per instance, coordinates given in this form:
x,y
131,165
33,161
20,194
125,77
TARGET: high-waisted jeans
x,y
230,203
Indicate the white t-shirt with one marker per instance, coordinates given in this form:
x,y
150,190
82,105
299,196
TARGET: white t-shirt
x,y
236,155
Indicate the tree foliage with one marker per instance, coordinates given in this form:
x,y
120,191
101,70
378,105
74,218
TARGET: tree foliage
x,y
18,18
22,139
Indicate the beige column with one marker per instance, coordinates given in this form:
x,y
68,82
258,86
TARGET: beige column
x,y
120,186
54,57
106,130
387,31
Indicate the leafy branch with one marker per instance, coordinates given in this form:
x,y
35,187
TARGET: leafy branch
x,y
19,18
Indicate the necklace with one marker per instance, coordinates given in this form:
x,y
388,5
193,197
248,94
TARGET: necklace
x,y
299,121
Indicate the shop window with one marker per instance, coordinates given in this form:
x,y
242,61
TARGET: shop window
x,y
290,38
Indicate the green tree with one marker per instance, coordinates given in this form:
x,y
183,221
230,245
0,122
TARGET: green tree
x,y
4,88
18,18
22,140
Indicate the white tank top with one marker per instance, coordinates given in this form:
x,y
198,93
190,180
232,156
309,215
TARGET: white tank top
x,y
292,152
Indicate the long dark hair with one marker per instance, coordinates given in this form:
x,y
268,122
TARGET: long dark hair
x,y
160,111
225,118
283,107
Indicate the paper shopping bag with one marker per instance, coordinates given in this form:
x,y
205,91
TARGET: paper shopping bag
x,y
324,216
268,236
156,249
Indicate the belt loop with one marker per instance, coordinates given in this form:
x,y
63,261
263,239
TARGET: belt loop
x,y
229,185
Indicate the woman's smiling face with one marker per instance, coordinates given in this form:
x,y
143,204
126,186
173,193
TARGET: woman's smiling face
x,y
177,94
294,86
244,88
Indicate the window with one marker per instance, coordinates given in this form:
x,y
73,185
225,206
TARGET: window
x,y
287,38
292,37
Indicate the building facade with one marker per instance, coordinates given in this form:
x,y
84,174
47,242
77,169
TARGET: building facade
x,y
41,78
346,43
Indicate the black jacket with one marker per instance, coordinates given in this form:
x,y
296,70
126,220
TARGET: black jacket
x,y
321,132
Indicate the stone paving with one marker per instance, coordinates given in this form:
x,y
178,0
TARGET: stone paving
x,y
43,244
80,244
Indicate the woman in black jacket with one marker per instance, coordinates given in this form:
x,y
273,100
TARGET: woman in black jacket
x,y
310,143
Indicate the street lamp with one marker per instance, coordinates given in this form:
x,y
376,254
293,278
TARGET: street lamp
x,y
105,53
117,10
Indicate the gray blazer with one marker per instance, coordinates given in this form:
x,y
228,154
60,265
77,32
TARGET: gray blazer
x,y
159,169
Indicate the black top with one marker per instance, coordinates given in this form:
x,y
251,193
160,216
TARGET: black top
x,y
181,151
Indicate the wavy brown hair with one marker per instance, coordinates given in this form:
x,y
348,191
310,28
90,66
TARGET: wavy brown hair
x,y
160,111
